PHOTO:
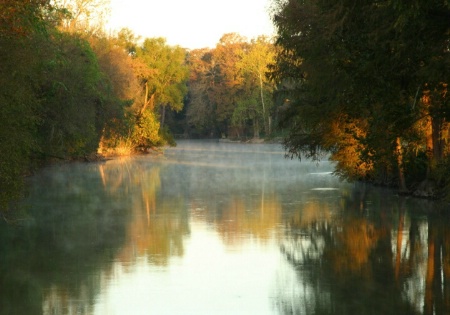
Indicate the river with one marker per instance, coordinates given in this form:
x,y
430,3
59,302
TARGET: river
x,y
220,228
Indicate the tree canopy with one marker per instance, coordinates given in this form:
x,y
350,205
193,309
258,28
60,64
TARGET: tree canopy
x,y
229,91
68,91
367,82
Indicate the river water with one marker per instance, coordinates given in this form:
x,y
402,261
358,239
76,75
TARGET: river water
x,y
220,228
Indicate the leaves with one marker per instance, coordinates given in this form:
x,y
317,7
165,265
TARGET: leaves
x,y
229,89
363,62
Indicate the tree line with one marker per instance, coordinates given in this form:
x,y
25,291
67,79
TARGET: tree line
x,y
367,82
230,95
69,91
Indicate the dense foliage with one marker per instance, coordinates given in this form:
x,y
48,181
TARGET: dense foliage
x,y
68,91
229,92
368,82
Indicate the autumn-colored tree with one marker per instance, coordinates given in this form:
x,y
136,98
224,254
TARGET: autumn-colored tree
x,y
229,90
201,114
226,55
117,66
359,64
254,66
23,18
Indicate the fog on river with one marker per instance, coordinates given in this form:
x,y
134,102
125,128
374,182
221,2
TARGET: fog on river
x,y
220,228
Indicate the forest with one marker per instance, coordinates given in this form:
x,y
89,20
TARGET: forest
x,y
367,83
362,83
70,91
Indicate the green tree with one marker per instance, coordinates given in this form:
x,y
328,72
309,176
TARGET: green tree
x,y
163,73
78,102
345,65
18,104
22,38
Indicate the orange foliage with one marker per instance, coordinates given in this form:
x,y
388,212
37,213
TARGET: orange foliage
x,y
17,16
258,220
353,246
348,133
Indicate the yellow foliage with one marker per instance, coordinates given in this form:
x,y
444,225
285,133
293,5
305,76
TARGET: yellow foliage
x,y
348,133
146,131
354,245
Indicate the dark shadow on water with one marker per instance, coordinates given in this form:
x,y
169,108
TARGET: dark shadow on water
x,y
378,253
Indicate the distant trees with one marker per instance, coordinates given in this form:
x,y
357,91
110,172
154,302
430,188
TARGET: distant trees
x,y
229,93
256,99
367,82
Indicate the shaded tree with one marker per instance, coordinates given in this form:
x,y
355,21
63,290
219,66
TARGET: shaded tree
x,y
357,64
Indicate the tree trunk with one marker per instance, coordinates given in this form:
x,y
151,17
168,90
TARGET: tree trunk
x,y
148,102
163,114
401,171
255,128
438,128
263,104
429,146
270,125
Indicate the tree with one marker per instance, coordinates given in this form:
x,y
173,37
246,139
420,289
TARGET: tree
x,y
229,91
358,64
22,31
120,81
227,79
255,66
23,18
201,113
78,100
84,16
165,85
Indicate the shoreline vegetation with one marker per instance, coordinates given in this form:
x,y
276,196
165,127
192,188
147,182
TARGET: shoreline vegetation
x,y
367,83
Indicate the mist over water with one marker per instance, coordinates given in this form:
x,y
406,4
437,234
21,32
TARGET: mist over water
x,y
219,228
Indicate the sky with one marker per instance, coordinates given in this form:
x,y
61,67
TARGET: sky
x,y
192,23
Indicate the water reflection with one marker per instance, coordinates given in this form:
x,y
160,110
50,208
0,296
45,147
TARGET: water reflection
x,y
242,219
158,226
215,228
377,255
53,261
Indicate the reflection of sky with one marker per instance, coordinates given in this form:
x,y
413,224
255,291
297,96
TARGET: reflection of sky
x,y
231,264
201,226
209,279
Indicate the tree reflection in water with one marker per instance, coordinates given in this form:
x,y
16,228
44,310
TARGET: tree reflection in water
x,y
158,226
348,250
367,258
56,260
84,221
